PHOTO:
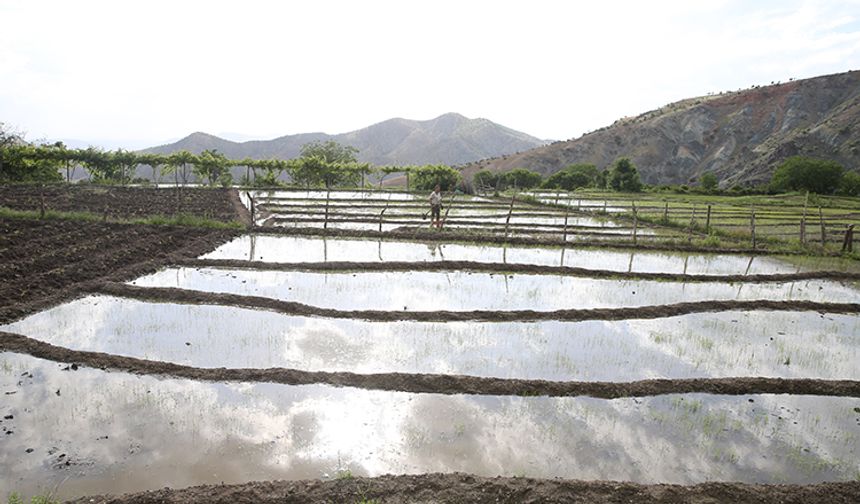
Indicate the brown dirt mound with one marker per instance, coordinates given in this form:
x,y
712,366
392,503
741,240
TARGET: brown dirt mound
x,y
534,269
459,488
174,295
435,383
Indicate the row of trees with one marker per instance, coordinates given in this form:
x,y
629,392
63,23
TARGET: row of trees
x,y
621,176
326,164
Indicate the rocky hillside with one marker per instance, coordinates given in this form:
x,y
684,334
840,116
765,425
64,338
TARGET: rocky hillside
x,y
740,136
450,139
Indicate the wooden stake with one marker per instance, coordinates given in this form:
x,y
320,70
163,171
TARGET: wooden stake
x,y
708,221
510,211
823,230
564,236
635,222
803,221
666,214
848,242
752,228
692,221
325,223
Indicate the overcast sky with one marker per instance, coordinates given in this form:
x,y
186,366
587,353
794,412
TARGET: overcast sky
x,y
134,74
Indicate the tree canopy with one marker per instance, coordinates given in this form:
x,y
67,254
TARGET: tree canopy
x,y
623,176
573,177
799,173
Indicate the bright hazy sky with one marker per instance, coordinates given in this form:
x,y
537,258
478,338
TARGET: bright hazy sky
x,y
138,73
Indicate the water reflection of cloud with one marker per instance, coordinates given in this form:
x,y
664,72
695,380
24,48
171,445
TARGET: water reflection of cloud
x,y
461,290
696,345
304,249
178,432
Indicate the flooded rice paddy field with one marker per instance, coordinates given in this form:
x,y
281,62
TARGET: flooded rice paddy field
x,y
723,344
83,431
466,290
293,249
87,431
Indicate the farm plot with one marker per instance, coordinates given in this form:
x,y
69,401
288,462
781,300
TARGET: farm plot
x,y
386,211
285,357
121,432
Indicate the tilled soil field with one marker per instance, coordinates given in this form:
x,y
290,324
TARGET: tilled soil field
x,y
123,202
43,262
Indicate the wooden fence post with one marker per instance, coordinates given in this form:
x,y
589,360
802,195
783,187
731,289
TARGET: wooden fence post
x,y
564,236
666,214
325,222
708,221
635,222
752,228
510,211
803,221
823,230
383,213
692,221
41,201
253,208
848,242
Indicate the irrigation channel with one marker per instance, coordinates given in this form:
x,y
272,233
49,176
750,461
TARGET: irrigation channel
x,y
298,351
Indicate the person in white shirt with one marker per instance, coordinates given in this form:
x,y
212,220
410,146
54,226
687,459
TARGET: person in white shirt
x,y
436,207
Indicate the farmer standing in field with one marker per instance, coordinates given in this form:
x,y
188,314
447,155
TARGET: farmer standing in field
x,y
436,207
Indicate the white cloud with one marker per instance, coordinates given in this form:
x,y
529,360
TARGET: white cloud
x,y
146,72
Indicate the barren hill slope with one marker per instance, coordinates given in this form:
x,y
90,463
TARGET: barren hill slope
x,y
740,136
449,139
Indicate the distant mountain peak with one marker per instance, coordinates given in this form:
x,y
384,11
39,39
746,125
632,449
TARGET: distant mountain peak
x,y
450,138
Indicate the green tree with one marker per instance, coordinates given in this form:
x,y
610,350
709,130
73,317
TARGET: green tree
x,y
485,179
521,178
623,176
178,163
26,163
125,163
330,152
572,177
799,173
214,167
708,181
426,177
98,164
155,162
850,184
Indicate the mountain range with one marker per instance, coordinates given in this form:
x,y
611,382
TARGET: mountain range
x,y
448,139
740,136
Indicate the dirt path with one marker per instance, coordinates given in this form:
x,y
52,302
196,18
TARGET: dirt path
x,y
460,488
532,269
435,383
174,295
